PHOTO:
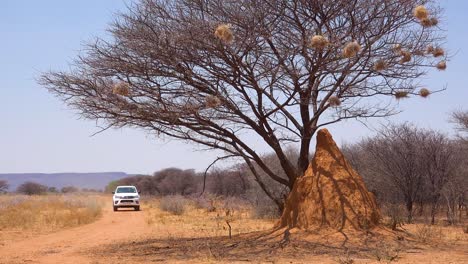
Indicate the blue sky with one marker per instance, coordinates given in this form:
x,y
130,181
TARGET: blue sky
x,y
38,133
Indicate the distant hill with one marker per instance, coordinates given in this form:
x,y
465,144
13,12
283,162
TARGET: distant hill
x,y
81,180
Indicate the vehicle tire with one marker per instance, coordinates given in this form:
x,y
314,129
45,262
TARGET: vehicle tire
x,y
115,208
137,208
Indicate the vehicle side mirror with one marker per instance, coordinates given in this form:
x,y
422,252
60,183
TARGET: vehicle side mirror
x,y
113,192
139,192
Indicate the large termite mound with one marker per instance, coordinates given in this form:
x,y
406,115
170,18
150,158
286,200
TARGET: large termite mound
x,y
331,194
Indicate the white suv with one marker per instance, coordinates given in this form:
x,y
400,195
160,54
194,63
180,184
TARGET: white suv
x,y
126,196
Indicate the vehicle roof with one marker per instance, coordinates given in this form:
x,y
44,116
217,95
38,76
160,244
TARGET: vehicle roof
x,y
123,186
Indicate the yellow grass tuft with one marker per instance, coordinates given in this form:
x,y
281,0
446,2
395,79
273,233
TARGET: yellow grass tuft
x,y
442,65
351,49
224,33
121,88
424,92
318,42
334,101
420,12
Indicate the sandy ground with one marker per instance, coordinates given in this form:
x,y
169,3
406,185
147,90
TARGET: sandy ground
x,y
128,236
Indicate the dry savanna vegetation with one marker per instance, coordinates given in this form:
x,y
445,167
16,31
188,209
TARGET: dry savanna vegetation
x,y
25,215
221,73
216,230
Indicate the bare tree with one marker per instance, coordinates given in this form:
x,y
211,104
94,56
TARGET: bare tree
x,y
440,161
3,186
461,119
174,181
396,153
455,191
220,73
69,189
232,182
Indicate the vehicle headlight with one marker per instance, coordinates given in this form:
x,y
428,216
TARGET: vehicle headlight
x,y
118,197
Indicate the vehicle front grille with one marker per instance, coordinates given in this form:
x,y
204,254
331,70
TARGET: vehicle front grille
x,y
129,197
126,201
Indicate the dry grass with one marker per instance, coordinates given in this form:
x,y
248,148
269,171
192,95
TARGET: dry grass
x,y
201,235
196,221
46,213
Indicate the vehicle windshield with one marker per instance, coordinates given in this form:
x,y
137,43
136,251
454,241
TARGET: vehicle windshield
x,y
126,190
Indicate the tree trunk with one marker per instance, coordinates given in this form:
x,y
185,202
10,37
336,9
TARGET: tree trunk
x,y
409,209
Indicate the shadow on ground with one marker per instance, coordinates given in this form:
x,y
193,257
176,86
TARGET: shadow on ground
x,y
258,247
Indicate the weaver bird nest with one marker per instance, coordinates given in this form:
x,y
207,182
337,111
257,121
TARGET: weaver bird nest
x,y
318,42
224,33
405,56
429,22
351,49
442,65
437,52
380,65
121,88
334,101
401,94
420,12
424,92
212,101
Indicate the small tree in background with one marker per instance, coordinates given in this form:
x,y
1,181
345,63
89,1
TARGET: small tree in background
x,y
31,188
461,119
69,189
52,190
409,165
221,73
3,186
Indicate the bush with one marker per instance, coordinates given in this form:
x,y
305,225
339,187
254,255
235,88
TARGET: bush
x,y
266,211
69,189
232,203
205,202
428,233
175,204
3,186
32,188
395,213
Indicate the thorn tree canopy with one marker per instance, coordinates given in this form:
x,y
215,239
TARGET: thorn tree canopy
x,y
220,73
